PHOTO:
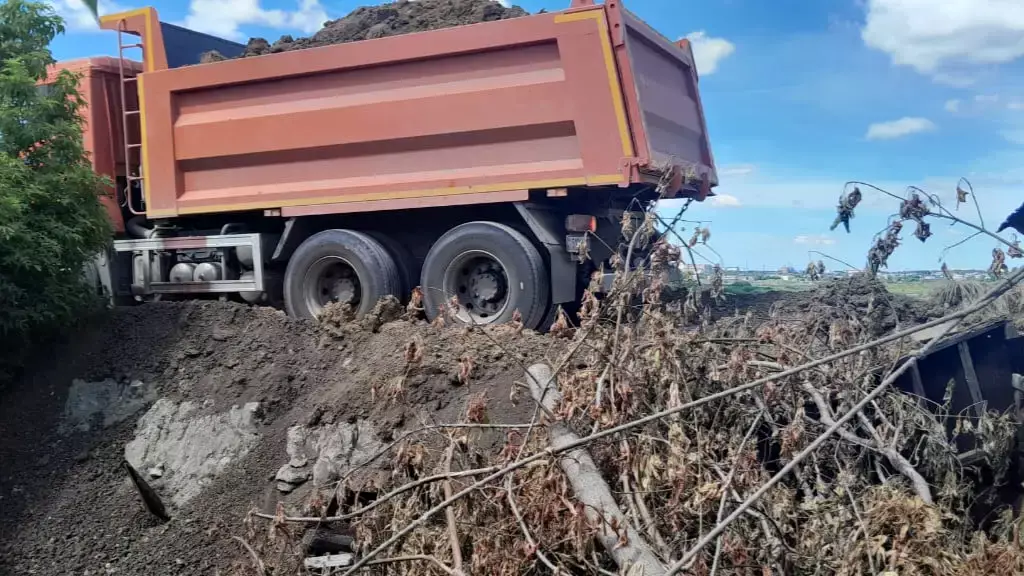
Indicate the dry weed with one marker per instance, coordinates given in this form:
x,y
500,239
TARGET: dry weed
x,y
885,495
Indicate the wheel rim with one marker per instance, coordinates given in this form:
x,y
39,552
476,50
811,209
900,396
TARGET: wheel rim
x,y
331,279
478,282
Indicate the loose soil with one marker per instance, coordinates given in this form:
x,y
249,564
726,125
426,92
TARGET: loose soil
x,y
369,22
860,297
68,506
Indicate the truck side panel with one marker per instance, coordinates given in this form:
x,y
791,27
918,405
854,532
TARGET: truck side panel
x,y
502,106
102,121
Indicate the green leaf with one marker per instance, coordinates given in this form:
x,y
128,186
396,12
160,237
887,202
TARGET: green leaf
x,y
51,219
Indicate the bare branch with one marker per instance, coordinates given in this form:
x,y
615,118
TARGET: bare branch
x,y
992,294
257,563
555,570
417,558
551,451
453,531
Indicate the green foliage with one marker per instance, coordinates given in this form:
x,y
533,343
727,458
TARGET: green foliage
x,y
51,219
743,288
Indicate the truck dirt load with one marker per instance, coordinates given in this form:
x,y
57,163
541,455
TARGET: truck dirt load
x,y
403,17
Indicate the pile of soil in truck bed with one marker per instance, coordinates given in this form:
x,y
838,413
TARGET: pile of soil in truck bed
x,y
205,396
403,17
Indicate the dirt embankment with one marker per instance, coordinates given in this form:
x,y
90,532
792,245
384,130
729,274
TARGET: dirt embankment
x,y
858,298
226,408
230,382
393,19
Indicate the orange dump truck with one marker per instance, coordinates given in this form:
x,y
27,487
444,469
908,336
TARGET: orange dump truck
x,y
473,161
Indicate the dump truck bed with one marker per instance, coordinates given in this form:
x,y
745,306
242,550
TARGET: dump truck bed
x,y
101,120
481,113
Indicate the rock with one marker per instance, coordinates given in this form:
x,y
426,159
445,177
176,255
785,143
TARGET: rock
x,y
82,455
296,446
192,448
285,487
331,447
92,405
292,475
324,472
156,471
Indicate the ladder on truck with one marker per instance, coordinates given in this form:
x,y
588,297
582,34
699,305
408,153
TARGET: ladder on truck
x,y
126,114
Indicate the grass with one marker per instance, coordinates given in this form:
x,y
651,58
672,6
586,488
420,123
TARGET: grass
x,y
922,289
916,289
744,288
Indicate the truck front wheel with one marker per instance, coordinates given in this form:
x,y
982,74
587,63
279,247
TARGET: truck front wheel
x,y
489,270
339,266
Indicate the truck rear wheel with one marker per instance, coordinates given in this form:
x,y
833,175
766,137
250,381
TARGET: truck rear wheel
x,y
491,270
404,262
339,266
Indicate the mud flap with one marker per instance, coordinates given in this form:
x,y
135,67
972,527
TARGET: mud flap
x,y
547,228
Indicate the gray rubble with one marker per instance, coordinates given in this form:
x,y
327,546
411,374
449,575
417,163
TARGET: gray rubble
x,y
183,450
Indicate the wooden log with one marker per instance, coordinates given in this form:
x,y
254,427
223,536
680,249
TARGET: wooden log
x,y
590,488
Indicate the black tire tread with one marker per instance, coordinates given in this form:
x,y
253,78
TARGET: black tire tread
x,y
378,260
531,318
403,259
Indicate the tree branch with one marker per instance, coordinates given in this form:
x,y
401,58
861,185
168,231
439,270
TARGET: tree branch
x,y
849,415
453,531
1008,282
526,530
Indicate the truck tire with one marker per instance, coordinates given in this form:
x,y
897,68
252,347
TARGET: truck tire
x,y
403,259
492,269
338,266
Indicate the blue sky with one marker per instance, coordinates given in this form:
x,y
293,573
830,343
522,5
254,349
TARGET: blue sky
x,y
800,96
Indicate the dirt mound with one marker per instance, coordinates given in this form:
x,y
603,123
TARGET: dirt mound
x,y
68,505
403,17
863,299
860,298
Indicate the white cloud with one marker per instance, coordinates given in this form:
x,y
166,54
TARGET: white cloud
x,y
708,51
954,80
736,170
899,128
225,17
952,106
725,201
933,37
814,240
78,18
